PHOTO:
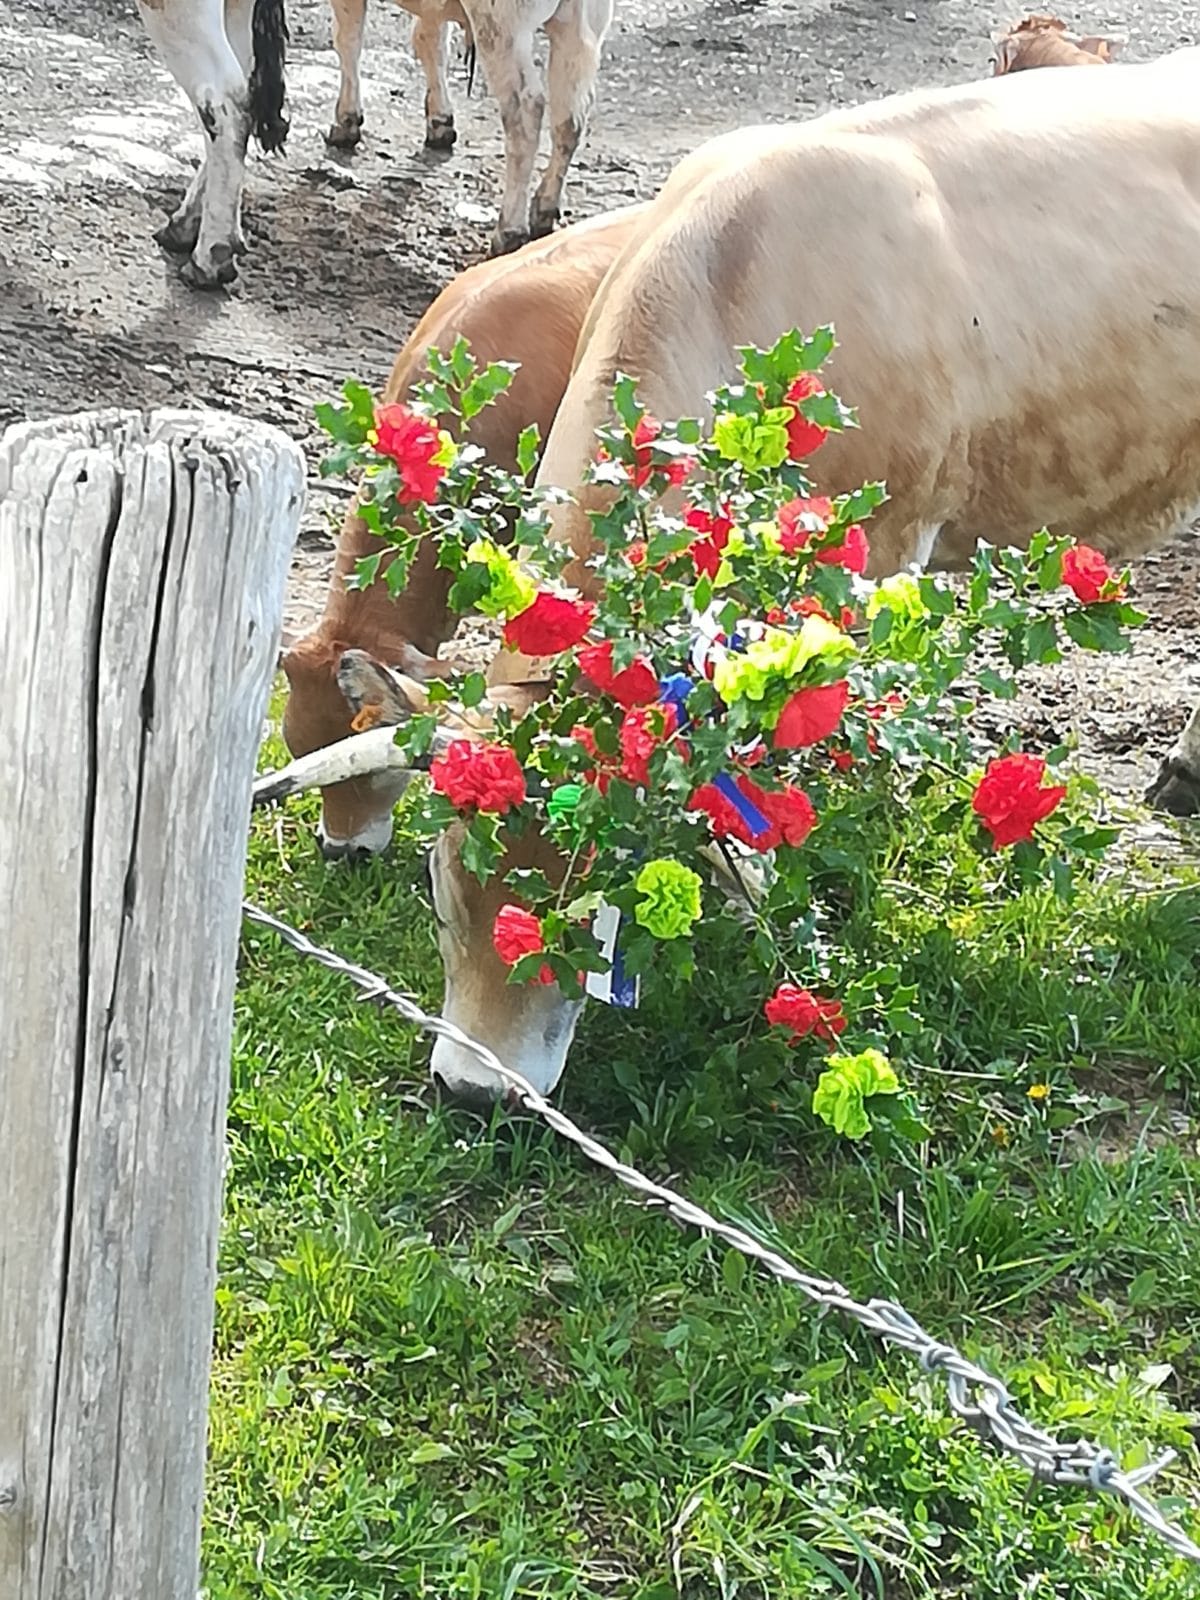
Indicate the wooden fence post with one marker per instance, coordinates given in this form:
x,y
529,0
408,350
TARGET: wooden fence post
x,y
142,569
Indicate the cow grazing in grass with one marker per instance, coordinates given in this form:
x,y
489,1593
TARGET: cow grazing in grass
x,y
502,32
527,307
1047,42
228,58
1021,350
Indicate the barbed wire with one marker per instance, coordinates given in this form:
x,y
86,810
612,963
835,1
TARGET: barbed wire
x,y
976,1396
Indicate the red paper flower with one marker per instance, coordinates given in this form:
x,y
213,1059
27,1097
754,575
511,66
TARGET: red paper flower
x,y
486,776
843,760
714,528
890,702
809,606
549,626
714,525
411,441
799,519
804,436
811,715
516,933
1010,800
634,685
852,553
706,557
880,708
644,435
802,1013
788,811
636,554
601,773
643,729
1087,574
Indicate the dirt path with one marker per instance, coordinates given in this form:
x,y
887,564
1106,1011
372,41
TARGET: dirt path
x,y
96,141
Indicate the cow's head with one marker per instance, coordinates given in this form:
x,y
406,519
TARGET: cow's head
x,y
356,816
529,1026
1041,41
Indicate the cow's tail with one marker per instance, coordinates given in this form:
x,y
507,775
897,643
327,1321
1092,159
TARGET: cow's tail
x,y
267,90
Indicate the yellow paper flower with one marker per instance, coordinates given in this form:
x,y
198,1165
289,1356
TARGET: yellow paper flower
x,y
778,657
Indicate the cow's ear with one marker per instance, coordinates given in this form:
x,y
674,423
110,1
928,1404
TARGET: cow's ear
x,y
376,694
1006,51
1107,46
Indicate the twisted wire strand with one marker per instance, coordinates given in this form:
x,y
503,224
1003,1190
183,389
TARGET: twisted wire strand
x,y
975,1395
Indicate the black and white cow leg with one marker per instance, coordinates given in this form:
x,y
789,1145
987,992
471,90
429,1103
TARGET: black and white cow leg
x,y
182,228
192,40
430,38
576,33
213,262
1176,789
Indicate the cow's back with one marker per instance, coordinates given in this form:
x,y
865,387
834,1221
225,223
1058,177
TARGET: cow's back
x,y
1013,269
528,306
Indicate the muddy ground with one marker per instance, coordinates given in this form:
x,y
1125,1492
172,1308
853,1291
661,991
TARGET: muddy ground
x,y
96,142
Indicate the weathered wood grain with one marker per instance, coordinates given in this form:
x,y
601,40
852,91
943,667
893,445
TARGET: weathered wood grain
x,y
142,567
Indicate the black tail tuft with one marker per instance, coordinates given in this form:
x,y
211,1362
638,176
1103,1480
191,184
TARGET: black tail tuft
x,y
270,34
469,57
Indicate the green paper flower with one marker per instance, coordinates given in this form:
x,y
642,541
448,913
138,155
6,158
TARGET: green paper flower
x,y
510,589
846,1083
564,800
755,442
670,903
901,595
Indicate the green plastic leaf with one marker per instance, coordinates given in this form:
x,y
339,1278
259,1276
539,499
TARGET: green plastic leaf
x,y
527,449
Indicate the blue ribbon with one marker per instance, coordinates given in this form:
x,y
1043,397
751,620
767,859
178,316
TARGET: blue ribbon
x,y
746,809
622,988
674,690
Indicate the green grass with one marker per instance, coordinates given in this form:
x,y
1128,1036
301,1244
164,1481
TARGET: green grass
x,y
454,1361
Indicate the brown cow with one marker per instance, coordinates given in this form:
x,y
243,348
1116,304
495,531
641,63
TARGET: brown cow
x,y
1021,351
527,307
1045,42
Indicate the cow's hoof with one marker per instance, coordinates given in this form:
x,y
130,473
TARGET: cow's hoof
x,y
178,235
506,240
440,133
1176,789
220,271
542,223
344,135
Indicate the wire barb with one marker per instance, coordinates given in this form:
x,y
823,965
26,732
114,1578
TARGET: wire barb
x,y
975,1396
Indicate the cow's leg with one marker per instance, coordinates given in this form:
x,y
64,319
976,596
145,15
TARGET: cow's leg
x,y
576,33
190,36
504,41
349,24
182,228
239,30
1177,787
429,36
